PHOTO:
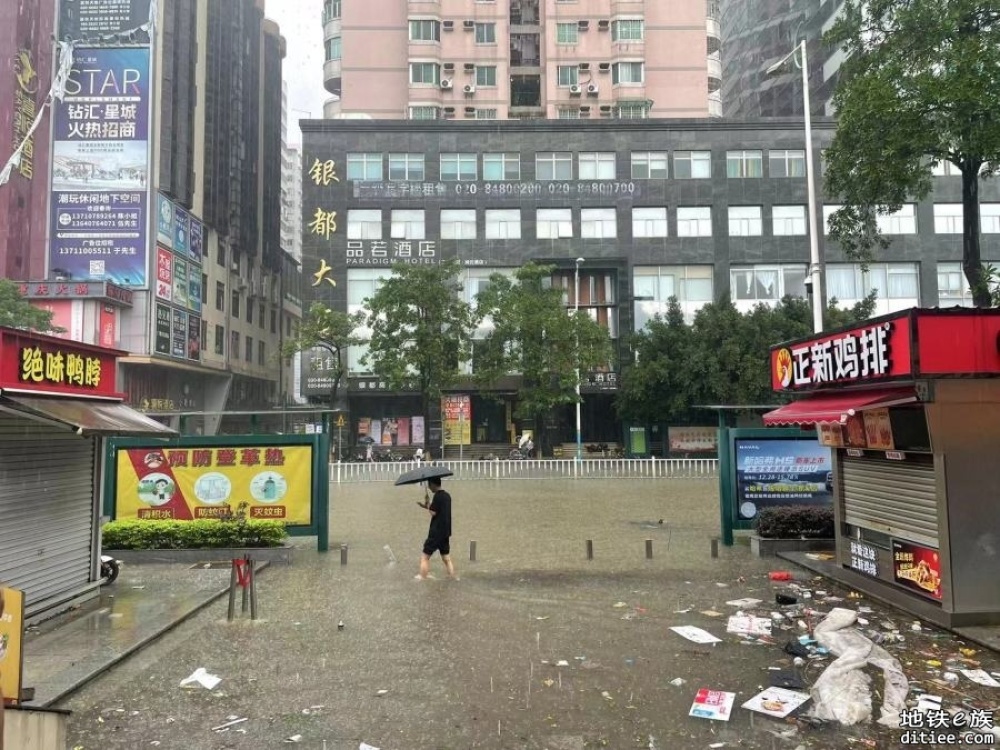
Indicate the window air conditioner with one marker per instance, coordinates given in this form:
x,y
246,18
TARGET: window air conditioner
x,y
604,24
470,67
604,67
448,25
575,90
593,89
469,89
583,25
446,83
468,25
584,66
448,66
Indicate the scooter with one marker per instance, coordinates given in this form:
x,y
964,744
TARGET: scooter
x,y
110,568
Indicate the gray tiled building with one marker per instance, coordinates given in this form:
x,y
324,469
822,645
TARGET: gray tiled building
x,y
695,209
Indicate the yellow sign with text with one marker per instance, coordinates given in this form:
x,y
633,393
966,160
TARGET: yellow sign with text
x,y
183,484
11,632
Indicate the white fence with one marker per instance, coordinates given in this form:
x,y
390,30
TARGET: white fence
x,y
555,468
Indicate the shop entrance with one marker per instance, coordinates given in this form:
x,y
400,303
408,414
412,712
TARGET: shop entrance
x,y
489,420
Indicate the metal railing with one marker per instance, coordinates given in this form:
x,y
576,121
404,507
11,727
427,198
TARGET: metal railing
x,y
547,468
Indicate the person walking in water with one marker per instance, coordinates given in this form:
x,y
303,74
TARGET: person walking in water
x,y
439,531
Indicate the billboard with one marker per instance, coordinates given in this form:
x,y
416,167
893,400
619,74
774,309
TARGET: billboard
x,y
777,471
693,439
183,484
457,412
100,168
84,19
11,637
917,568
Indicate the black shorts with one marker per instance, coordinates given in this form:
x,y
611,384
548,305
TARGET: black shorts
x,y
437,544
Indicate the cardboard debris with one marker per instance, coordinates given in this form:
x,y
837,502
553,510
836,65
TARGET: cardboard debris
x,y
712,704
710,613
749,625
203,678
697,635
744,603
777,702
980,677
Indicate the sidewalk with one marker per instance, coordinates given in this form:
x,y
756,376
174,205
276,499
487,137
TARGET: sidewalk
x,y
66,652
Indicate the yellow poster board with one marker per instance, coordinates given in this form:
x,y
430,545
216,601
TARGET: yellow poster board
x,y
182,484
457,413
11,633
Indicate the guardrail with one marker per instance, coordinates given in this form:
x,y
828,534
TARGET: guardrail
x,y
545,468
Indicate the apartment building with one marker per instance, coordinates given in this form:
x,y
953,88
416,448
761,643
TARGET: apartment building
x,y
522,59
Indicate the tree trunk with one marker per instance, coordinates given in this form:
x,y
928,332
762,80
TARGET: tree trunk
x,y
971,259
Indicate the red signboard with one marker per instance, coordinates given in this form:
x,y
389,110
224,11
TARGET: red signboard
x,y
917,567
44,364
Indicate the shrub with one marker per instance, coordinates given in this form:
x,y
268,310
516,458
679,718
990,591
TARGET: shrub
x,y
795,522
201,534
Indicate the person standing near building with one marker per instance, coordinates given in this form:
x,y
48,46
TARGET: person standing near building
x,y
439,531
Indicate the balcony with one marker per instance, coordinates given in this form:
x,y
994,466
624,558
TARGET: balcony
x,y
524,13
714,73
712,9
332,76
332,108
715,104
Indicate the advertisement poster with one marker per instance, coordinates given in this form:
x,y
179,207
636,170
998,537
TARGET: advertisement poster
x,y
164,220
178,333
693,439
457,412
389,429
197,240
776,472
403,431
194,338
182,229
93,18
417,431
11,636
180,282
182,484
164,274
109,328
100,168
878,430
194,289
637,441
162,329
375,431
776,702
716,705
854,432
917,567
830,434
364,427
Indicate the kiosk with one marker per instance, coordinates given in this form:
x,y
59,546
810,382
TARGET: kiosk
x,y
910,403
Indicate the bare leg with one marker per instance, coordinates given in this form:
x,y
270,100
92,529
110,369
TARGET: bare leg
x,y
450,566
425,567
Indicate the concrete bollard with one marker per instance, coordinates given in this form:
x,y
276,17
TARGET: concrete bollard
x,y
472,551
649,549
590,549
343,554
715,548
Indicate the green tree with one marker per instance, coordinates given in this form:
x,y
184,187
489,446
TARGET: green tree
x,y
421,329
17,312
532,334
330,330
920,86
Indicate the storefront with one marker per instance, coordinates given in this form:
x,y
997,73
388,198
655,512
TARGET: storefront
x,y
58,399
910,404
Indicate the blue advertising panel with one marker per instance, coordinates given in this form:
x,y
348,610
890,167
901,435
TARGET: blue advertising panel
x,y
164,221
194,288
182,226
197,240
100,169
775,472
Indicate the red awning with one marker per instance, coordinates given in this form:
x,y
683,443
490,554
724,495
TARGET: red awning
x,y
837,407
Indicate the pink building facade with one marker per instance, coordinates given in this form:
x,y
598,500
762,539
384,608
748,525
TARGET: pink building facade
x,y
487,59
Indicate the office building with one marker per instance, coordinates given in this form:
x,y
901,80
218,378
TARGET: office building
x,y
523,59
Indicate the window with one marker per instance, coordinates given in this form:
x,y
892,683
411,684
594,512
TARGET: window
x,y
425,30
424,113
598,223
235,303
632,110
364,224
220,254
407,224
653,286
903,221
486,114
333,48
568,113
567,33
486,33
404,167
249,311
989,218
744,164
425,72
260,353
261,313
948,218
953,289
786,163
945,168
788,220
596,166
745,221
897,285
694,222
248,353
553,223
204,291
458,167
220,339
627,72
486,75
554,165
364,167
498,167
220,295
503,224
828,212
569,75
692,165
234,344
331,10
458,223
649,165
274,320
755,284
649,222
627,30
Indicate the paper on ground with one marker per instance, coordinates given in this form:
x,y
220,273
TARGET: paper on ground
x,y
712,704
746,602
695,634
749,625
980,677
776,702
366,746
203,678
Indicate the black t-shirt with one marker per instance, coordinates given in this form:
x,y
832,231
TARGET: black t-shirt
x,y
441,520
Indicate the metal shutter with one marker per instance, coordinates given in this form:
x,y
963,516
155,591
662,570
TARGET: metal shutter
x,y
895,497
46,510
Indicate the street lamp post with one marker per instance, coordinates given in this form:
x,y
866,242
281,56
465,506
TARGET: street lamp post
x,y
576,310
815,273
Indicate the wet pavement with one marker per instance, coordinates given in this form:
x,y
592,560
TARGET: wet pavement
x,y
536,647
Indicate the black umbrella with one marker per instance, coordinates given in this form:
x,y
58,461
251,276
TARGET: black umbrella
x,y
366,439
423,474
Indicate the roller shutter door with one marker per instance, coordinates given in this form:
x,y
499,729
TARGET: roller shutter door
x,y
46,510
895,497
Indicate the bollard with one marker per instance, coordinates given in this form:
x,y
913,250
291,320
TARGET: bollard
x,y
590,549
715,548
343,554
649,549
472,551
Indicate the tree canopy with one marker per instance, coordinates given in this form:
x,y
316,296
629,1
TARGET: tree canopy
x,y
17,312
330,330
920,86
